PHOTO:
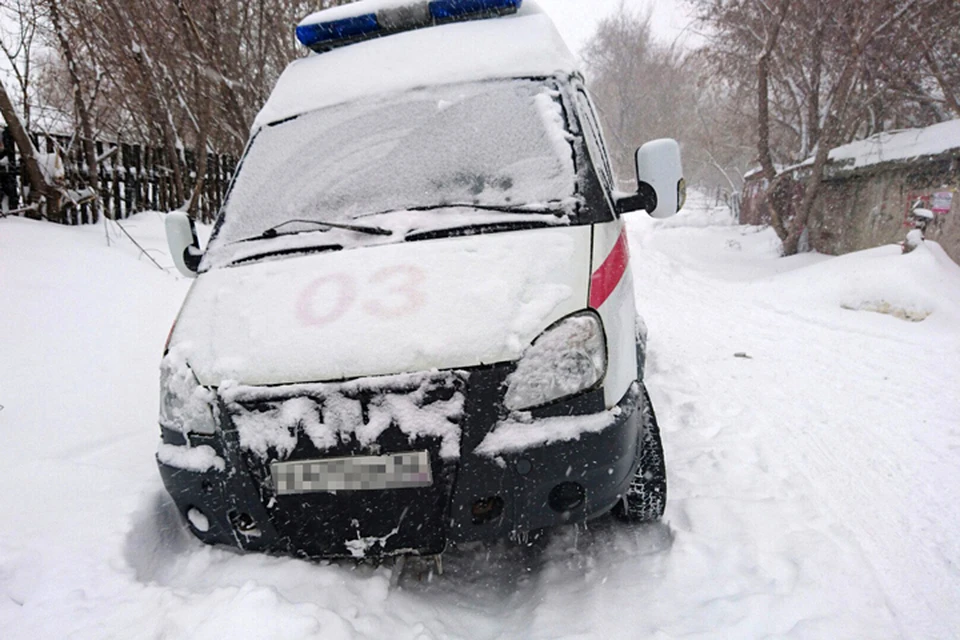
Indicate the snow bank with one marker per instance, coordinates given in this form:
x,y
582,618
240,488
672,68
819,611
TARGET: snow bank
x,y
922,285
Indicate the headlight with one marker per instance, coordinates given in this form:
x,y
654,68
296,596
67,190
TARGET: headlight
x,y
566,359
185,406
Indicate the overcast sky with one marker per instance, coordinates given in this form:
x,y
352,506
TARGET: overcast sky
x,y
577,19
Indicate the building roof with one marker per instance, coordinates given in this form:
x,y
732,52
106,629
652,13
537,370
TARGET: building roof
x,y
891,146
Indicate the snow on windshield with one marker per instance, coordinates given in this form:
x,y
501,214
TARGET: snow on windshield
x,y
499,144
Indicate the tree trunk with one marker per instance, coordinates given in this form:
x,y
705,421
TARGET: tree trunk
x,y
833,125
816,78
201,150
41,192
80,106
829,135
774,203
949,92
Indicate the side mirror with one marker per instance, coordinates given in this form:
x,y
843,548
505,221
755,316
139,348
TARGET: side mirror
x,y
183,242
659,165
662,190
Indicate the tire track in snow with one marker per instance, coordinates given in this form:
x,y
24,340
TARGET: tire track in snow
x,y
872,494
845,474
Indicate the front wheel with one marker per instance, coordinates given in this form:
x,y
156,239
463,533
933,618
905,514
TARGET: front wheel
x,y
646,498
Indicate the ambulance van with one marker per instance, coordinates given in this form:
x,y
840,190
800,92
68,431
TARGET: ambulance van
x,y
414,323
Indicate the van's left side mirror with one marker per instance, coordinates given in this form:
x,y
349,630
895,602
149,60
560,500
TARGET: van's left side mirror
x,y
183,242
661,190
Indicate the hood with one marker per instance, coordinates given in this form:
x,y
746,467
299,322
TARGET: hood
x,y
407,307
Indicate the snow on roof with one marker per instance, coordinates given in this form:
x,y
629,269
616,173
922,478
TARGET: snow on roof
x,y
899,145
905,144
522,45
352,10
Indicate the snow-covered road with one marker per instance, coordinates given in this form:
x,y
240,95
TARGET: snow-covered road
x,y
813,451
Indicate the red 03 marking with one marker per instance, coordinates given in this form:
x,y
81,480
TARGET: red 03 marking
x,y
391,292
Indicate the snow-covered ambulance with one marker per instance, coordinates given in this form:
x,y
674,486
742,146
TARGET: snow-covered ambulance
x,y
414,322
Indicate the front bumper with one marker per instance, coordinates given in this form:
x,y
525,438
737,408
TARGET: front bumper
x,y
473,496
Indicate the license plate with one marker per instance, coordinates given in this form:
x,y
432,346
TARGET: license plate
x,y
364,473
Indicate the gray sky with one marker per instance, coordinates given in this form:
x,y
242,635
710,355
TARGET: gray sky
x,y
577,19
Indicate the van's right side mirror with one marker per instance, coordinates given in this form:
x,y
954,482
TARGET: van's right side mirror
x,y
661,190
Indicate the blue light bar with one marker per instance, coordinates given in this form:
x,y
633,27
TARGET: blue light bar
x,y
453,9
325,36
316,36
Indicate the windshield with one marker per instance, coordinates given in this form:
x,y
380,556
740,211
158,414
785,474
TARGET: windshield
x,y
500,144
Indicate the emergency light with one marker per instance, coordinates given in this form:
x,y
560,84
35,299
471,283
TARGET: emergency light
x,y
325,36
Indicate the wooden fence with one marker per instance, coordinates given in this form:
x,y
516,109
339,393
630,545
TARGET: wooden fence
x,y
134,178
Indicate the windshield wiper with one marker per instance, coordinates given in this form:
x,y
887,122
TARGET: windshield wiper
x,y
374,231
285,252
466,205
477,229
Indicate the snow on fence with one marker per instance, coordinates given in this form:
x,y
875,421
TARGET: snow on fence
x,y
134,178
729,198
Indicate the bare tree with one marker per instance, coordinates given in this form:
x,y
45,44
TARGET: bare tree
x,y
83,97
812,66
168,73
19,21
645,89
43,194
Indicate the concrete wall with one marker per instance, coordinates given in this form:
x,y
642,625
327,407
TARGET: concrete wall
x,y
864,208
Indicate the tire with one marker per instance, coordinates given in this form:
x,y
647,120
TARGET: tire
x,y
646,497
640,333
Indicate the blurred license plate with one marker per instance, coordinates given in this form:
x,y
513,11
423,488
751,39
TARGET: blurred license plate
x,y
367,473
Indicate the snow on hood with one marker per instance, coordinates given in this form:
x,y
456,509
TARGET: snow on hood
x,y
408,307
523,45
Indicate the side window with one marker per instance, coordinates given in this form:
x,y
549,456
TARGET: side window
x,y
591,131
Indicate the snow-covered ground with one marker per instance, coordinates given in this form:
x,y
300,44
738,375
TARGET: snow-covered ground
x,y
811,427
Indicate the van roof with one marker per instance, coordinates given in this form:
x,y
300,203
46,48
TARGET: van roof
x,y
355,9
525,44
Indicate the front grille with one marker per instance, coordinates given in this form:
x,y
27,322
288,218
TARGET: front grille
x,y
371,416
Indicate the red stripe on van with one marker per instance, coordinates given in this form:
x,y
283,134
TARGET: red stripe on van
x,y
605,279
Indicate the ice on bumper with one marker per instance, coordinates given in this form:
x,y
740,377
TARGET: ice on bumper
x,y
521,431
198,459
270,420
